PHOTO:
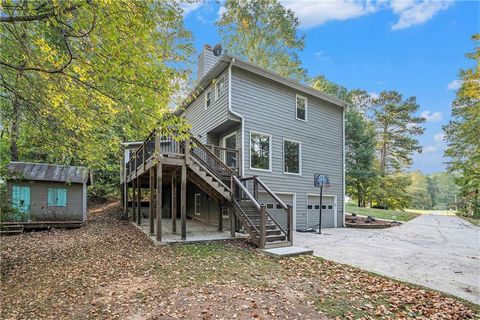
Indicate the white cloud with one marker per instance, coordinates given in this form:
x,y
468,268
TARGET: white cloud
x,y
413,13
431,148
374,95
410,12
431,116
439,137
221,11
315,13
320,55
454,85
188,8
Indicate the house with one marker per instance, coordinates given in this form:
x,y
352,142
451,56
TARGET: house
x,y
44,195
257,139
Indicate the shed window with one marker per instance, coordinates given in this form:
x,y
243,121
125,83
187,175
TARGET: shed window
x,y
301,103
57,197
221,88
260,151
197,204
291,156
208,99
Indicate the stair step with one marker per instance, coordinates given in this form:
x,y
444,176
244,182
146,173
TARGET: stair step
x,y
273,238
274,232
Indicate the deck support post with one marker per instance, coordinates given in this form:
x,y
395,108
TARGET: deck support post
x,y
174,201
220,219
159,204
183,202
126,211
139,203
263,226
134,199
151,210
232,222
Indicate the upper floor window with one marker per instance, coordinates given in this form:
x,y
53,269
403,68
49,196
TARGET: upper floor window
x,y
301,110
260,151
292,153
221,87
208,99
57,197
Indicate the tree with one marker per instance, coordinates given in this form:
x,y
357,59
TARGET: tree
x,y
443,190
462,134
80,77
396,126
264,33
359,156
418,191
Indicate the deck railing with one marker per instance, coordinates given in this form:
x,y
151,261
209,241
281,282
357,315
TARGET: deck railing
x,y
231,157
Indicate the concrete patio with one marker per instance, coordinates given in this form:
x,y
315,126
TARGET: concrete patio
x,y
439,252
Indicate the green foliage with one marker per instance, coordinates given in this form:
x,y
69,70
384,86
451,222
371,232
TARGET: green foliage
x,y
264,33
359,156
443,190
396,126
81,77
391,192
418,191
462,135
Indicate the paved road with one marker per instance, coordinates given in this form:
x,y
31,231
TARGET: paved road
x,y
439,252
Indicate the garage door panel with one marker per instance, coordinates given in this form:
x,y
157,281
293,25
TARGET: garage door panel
x,y
328,211
275,210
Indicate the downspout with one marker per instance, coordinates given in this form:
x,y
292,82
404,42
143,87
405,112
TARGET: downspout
x,y
236,114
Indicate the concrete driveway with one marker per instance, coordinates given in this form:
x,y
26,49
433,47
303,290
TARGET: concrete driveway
x,y
439,252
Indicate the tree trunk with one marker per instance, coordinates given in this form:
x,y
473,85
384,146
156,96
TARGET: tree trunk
x,y
14,131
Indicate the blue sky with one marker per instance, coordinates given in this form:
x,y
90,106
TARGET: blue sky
x,y
414,47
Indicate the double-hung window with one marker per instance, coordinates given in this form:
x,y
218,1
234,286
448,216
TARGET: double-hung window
x,y
221,87
208,99
292,157
57,197
197,204
260,151
301,108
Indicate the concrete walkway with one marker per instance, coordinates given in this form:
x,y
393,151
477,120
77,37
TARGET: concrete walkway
x,y
439,252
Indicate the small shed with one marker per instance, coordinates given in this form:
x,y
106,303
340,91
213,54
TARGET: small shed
x,y
48,193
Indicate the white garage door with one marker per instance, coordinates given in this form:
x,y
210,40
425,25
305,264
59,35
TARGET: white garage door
x,y
275,210
328,211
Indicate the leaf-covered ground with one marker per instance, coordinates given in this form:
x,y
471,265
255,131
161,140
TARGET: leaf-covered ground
x,y
110,270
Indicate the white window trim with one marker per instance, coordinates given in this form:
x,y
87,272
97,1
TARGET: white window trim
x,y
306,107
234,133
217,87
205,98
197,202
269,151
300,157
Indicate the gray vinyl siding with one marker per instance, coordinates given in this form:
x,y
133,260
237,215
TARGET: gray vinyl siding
x,y
269,108
40,211
201,120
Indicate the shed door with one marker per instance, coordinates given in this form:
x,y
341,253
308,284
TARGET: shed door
x,y
328,211
21,201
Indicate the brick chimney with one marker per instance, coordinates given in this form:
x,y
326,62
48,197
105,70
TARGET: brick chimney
x,y
206,60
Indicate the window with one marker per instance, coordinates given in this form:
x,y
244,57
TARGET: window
x,y
317,206
309,207
269,205
57,197
260,151
292,152
279,206
330,207
301,103
221,87
324,206
208,99
197,204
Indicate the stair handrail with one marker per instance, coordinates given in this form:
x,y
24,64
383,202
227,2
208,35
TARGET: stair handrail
x,y
222,171
244,189
270,192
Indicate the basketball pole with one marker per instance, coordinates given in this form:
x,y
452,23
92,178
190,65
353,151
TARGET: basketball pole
x,y
320,215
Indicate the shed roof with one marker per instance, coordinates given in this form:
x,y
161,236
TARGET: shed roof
x,y
49,172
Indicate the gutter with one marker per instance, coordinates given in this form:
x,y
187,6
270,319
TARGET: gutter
x,y
232,61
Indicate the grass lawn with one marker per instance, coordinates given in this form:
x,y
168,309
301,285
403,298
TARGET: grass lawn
x,y
472,220
382,214
439,212
110,270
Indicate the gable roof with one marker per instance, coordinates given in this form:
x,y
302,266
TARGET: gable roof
x,y
227,59
49,172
